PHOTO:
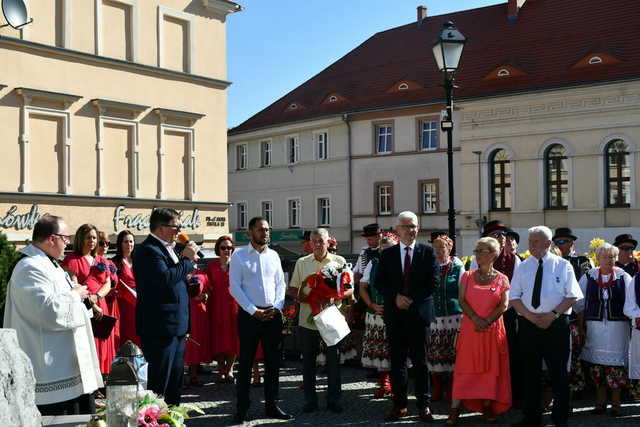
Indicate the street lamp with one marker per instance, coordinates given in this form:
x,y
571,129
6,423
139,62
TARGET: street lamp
x,y
447,50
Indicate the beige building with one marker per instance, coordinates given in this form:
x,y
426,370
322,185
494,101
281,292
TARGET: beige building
x,y
112,107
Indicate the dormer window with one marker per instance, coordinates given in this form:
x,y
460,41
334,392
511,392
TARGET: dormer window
x,y
293,106
403,86
503,72
595,60
333,98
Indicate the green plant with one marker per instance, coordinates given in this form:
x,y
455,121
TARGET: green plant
x,y
8,256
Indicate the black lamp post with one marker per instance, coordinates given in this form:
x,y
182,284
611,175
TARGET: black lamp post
x,y
447,50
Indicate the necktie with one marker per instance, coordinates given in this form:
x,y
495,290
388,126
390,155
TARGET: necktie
x,y
537,287
406,273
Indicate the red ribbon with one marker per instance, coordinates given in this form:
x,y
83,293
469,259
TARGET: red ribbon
x,y
321,292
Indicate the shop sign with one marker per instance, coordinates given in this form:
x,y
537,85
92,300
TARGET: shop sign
x,y
276,236
141,221
23,221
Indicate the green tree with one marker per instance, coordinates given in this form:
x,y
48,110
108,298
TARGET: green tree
x,y
8,255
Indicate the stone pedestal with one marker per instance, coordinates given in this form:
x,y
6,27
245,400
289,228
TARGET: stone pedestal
x,y
17,384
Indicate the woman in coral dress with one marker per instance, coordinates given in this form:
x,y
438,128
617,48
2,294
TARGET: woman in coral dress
x,y
225,344
126,300
111,298
91,270
197,347
481,378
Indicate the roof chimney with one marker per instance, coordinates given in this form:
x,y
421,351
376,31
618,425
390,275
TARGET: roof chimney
x,y
513,8
422,13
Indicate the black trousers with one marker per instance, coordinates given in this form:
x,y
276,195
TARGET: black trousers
x,y
269,333
515,363
407,334
310,340
552,345
165,356
83,404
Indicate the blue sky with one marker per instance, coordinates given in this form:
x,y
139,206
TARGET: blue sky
x,y
275,45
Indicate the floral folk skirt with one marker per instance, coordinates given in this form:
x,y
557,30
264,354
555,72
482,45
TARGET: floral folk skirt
x,y
375,344
609,376
441,351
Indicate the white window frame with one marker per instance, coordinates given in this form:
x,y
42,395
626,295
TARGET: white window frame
x,y
242,161
266,156
296,147
133,4
436,132
263,211
321,140
379,211
424,195
299,212
181,16
25,32
133,147
319,210
388,137
239,222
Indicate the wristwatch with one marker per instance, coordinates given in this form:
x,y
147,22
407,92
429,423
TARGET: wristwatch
x,y
555,313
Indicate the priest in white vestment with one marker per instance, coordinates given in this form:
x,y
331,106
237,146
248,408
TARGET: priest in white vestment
x,y
53,325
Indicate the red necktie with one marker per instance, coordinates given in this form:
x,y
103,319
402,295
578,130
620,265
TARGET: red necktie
x,y
406,273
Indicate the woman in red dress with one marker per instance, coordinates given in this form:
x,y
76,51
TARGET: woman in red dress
x,y
481,378
111,297
197,347
126,300
91,270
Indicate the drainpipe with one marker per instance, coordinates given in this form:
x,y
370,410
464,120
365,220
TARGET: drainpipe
x,y
345,118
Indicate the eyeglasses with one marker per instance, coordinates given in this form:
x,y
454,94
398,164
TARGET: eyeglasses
x,y
64,237
173,227
409,227
626,248
226,248
608,256
102,244
498,234
481,251
562,241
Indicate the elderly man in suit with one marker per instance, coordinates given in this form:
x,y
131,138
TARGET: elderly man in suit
x,y
162,310
406,277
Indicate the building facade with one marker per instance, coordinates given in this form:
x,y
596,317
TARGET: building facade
x,y
112,107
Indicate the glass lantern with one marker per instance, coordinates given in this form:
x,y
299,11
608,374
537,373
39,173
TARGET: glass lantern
x,y
131,352
122,394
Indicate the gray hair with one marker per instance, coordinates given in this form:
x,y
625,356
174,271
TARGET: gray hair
x,y
489,242
607,248
321,232
541,229
407,215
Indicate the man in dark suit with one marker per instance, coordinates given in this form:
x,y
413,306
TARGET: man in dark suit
x,y
162,310
406,278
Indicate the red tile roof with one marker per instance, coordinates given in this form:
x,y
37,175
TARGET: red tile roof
x,y
546,40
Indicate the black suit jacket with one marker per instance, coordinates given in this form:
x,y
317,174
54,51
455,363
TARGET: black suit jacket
x,y
162,309
389,280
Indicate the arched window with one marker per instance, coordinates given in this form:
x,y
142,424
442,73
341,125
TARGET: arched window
x,y
557,177
500,176
618,174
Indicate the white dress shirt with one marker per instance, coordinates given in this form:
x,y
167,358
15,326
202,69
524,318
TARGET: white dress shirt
x,y
403,253
169,248
256,279
558,282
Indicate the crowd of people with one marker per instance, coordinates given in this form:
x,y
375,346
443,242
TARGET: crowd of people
x,y
501,331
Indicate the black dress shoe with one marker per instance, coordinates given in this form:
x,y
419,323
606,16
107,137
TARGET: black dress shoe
x,y
335,407
277,413
310,407
239,417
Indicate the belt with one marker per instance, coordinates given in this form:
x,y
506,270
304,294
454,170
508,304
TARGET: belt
x,y
264,308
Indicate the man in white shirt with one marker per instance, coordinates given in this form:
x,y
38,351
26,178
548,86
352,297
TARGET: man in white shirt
x,y
256,282
543,290
53,325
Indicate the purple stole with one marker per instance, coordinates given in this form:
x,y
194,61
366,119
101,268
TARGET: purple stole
x,y
595,304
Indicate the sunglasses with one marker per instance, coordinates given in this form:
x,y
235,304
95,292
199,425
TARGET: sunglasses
x,y
174,227
498,234
626,248
226,248
562,241
481,251
102,244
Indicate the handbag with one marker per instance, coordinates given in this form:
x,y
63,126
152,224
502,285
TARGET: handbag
x,y
332,325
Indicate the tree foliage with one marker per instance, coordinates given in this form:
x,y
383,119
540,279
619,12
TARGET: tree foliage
x,y
8,255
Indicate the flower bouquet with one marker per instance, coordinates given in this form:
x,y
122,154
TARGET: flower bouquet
x,y
152,411
329,282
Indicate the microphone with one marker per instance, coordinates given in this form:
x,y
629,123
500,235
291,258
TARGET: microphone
x,y
182,242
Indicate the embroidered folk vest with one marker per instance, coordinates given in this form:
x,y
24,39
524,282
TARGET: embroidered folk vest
x,y
595,303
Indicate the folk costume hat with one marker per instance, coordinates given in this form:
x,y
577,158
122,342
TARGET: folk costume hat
x,y
371,230
625,238
564,232
492,226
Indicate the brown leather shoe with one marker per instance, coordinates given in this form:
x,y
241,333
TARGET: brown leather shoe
x,y
396,414
425,415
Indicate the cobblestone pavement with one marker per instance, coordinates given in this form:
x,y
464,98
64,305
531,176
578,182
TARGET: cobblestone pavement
x,y
218,402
